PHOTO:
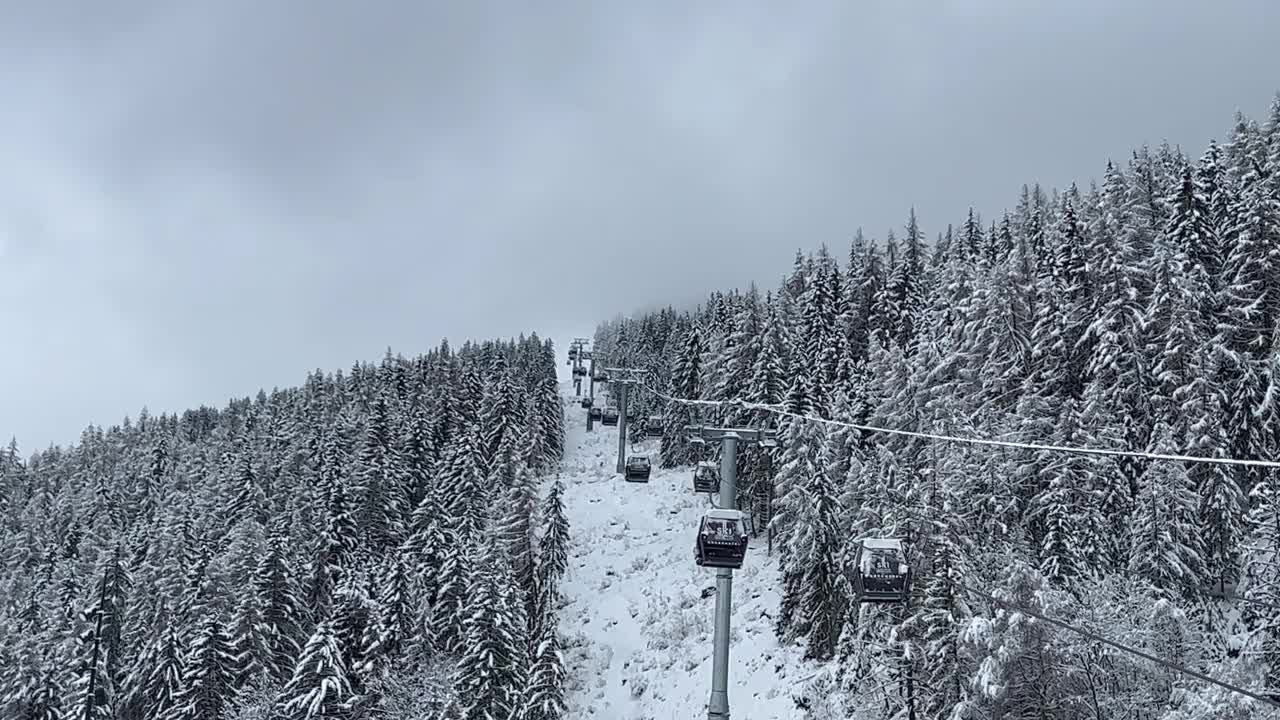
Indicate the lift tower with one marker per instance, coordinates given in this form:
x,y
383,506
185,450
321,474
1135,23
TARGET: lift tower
x,y
623,379
729,438
577,351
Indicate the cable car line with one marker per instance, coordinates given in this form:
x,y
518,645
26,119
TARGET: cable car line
x,y
1181,670
775,409
779,410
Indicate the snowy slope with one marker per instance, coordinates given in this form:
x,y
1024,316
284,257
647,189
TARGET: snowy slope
x,y
637,625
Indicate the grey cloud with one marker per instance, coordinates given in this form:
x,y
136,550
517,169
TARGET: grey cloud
x,y
199,199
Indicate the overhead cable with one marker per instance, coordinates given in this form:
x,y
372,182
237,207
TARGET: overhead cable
x,y
779,410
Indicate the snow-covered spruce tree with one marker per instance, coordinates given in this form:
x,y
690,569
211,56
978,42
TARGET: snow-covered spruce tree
x,y
281,608
503,410
543,697
1262,533
1067,513
553,549
377,491
444,622
208,675
1168,550
685,384
516,529
489,678
103,639
463,482
816,546
319,688
420,453
801,447
549,421
154,676
355,622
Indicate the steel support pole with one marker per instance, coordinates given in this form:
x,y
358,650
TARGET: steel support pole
x,y
577,380
591,379
718,707
622,426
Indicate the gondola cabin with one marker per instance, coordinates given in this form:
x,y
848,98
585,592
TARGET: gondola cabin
x,y
595,414
706,477
637,469
587,402
579,372
722,539
653,426
609,416
880,572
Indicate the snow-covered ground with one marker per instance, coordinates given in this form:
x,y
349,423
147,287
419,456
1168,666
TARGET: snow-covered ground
x,y
638,621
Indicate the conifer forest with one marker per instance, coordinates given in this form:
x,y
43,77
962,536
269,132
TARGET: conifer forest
x,y
325,551
409,538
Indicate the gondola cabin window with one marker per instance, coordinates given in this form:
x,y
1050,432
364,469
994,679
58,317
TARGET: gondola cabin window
x,y
880,561
722,530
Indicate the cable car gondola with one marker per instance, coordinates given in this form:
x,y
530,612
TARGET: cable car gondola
x,y
579,371
594,413
880,571
722,539
637,469
587,402
653,427
610,416
706,477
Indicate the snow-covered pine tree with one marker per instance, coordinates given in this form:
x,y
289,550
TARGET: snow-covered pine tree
x,y
817,547
1066,512
208,674
1168,550
395,622
553,547
319,688
517,534
488,674
281,607
544,692
377,490
444,623
687,369
801,442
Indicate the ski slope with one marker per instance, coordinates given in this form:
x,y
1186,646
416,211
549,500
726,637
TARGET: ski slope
x,y
638,618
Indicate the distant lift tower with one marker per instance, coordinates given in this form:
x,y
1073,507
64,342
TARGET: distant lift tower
x,y
724,515
577,353
623,378
591,375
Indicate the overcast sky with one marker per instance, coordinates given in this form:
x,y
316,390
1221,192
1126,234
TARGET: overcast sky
x,y
201,199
